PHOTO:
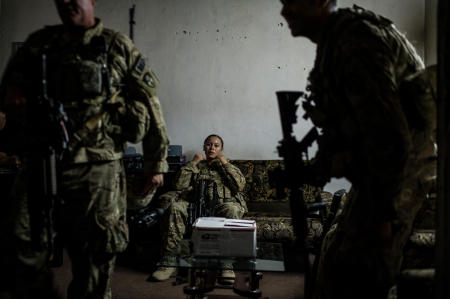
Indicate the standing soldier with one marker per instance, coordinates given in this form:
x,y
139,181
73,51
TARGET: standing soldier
x,y
108,93
369,136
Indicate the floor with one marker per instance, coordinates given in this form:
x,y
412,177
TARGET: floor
x,y
130,282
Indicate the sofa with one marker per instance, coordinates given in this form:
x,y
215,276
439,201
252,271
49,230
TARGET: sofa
x,y
270,211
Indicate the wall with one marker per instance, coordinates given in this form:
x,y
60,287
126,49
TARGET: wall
x,y
431,32
219,61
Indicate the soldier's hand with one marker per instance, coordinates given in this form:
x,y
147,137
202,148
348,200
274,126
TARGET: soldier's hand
x,y
222,159
198,157
6,160
2,120
15,103
154,180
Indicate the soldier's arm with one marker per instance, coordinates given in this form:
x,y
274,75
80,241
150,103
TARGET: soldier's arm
x,y
184,176
232,175
141,84
13,84
17,88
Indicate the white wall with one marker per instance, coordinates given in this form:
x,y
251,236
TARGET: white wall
x,y
431,19
219,61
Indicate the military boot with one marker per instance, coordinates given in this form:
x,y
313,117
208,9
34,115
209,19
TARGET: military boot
x,y
226,277
163,273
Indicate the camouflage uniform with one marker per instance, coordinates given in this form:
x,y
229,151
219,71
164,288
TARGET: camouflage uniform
x,y
369,138
230,203
122,108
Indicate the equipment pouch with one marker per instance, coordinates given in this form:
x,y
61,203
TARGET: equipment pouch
x,y
75,80
90,78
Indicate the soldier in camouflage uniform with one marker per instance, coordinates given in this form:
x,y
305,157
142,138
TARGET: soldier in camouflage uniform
x,y
369,136
108,93
229,181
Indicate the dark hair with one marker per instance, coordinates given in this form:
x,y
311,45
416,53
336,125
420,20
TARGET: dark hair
x,y
213,135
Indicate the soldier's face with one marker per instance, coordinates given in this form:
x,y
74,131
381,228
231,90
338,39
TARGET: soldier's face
x,y
77,13
212,147
300,15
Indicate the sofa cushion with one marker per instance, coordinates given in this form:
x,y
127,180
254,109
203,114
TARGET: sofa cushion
x,y
280,229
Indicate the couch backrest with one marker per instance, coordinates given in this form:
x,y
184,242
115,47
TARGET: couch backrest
x,y
259,185
260,191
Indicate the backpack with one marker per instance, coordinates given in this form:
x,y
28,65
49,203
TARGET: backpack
x,y
418,93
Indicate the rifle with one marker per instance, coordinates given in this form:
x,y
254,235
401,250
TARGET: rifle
x,y
296,170
295,174
201,208
48,138
132,22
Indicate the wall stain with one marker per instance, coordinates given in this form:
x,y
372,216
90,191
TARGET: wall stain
x,y
221,37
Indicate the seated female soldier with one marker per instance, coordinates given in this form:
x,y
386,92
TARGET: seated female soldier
x,y
222,185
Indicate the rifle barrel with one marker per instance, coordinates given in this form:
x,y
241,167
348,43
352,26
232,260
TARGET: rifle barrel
x,y
44,76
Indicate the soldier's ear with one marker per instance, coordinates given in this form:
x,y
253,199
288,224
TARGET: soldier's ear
x,y
325,3
94,2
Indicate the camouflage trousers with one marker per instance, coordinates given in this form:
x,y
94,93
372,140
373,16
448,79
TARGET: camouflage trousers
x,y
92,225
175,222
355,262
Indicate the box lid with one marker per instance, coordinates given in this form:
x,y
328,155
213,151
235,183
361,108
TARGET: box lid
x,y
208,223
240,224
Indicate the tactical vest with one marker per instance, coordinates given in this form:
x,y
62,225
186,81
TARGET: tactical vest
x,y
85,75
79,76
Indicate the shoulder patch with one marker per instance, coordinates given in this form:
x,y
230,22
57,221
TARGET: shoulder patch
x,y
148,79
140,65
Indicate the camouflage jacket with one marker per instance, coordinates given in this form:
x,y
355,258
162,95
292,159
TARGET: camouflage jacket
x,y
104,83
229,180
354,90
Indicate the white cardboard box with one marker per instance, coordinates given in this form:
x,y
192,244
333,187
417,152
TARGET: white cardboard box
x,y
215,236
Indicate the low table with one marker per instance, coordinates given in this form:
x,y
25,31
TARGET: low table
x,y
202,270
